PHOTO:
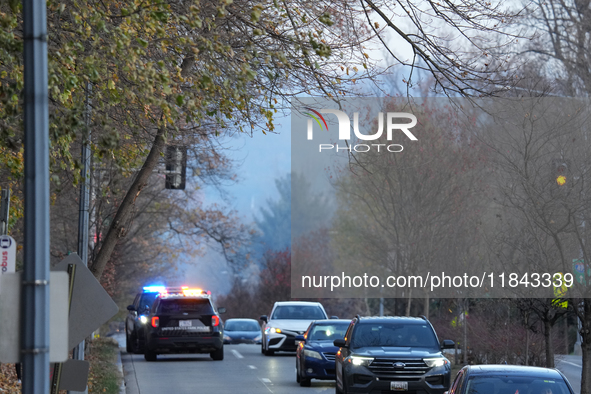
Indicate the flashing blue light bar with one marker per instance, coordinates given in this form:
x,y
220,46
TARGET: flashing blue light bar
x,y
154,289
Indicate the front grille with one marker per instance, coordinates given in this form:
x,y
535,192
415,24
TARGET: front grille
x,y
330,356
385,366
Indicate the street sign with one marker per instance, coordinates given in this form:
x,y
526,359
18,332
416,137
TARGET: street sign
x,y
7,254
579,271
10,317
90,305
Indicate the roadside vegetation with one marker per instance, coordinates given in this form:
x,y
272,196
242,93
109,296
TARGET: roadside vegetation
x,y
104,377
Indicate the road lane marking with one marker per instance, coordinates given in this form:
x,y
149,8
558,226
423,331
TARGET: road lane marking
x,y
265,381
568,362
252,367
237,354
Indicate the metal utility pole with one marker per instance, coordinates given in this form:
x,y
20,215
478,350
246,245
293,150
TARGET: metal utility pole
x,y
84,208
35,286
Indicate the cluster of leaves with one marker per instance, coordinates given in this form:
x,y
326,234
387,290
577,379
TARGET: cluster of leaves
x,y
8,380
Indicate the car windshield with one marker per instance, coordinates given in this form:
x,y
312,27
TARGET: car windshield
x,y
305,312
510,383
202,307
328,332
242,325
394,335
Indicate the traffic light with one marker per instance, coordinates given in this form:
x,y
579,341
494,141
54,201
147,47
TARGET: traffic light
x,y
176,167
561,171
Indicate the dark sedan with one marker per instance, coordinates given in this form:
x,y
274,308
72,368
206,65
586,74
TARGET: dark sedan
x,y
512,379
242,331
316,351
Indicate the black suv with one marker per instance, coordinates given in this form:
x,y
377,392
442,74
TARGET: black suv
x,y
184,323
382,354
137,318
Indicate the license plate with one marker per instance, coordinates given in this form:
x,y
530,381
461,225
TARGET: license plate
x,y
398,386
185,323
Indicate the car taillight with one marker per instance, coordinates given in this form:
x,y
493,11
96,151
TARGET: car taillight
x,y
215,321
155,321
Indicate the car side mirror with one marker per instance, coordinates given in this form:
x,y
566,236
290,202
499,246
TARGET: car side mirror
x,y
340,342
130,308
221,310
300,338
263,318
448,344
334,317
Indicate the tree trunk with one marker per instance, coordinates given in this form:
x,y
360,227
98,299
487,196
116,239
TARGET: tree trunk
x,y
586,348
548,340
527,346
566,334
409,301
426,306
118,228
465,333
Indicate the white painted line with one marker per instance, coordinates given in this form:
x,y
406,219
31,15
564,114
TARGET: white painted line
x,y
237,354
265,381
252,367
568,362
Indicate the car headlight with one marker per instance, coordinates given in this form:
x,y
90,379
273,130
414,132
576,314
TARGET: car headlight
x,y
436,362
358,360
143,319
312,354
258,338
273,330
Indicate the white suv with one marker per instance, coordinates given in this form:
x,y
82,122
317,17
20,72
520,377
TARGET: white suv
x,y
287,320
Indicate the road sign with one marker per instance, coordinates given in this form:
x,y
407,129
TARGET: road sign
x,y
579,270
7,254
10,317
90,306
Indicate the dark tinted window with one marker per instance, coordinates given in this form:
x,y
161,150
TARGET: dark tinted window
x,y
306,312
511,383
202,307
146,301
328,332
394,335
241,325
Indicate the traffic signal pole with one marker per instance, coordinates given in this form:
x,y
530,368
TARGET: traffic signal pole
x,y
83,214
35,285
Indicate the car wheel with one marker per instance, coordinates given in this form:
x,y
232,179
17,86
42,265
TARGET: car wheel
x,y
297,371
305,382
133,344
218,354
262,348
269,352
150,355
127,343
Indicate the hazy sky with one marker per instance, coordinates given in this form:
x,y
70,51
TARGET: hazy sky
x,y
261,159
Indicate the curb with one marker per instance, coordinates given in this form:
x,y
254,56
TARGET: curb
x,y
120,369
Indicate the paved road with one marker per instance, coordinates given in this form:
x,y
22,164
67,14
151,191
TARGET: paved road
x,y
244,370
571,367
